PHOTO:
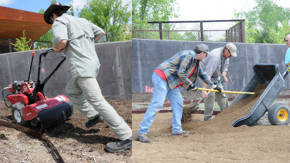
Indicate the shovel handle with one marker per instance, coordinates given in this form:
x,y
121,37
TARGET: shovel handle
x,y
213,90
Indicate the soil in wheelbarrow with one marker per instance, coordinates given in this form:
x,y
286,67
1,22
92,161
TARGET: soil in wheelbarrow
x,y
73,140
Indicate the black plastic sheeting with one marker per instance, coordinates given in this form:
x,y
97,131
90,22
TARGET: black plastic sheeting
x,y
147,54
114,76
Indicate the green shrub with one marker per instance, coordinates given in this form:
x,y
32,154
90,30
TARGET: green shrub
x,y
22,44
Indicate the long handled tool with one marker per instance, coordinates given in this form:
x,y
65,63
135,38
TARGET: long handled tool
x,y
213,90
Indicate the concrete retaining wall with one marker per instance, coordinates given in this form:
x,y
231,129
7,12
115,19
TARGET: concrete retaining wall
x,y
114,77
147,54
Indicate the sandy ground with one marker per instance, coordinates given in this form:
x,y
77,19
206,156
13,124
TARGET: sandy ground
x,y
243,144
213,141
73,140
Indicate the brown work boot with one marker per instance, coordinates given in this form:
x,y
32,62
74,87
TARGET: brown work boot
x,y
183,133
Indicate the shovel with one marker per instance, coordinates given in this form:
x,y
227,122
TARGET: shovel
x,y
223,91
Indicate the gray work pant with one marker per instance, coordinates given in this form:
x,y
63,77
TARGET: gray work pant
x,y
209,103
85,94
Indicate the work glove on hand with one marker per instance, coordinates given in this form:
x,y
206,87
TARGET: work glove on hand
x,y
191,86
204,94
219,89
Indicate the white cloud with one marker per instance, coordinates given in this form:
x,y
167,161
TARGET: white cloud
x,y
216,9
211,10
78,4
283,3
5,2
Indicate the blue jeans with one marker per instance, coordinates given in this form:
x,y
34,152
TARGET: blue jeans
x,y
160,92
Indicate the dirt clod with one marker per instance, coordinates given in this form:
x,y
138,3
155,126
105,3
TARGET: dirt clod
x,y
3,137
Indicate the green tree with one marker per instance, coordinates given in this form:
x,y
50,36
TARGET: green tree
x,y
22,44
190,36
111,16
46,39
152,10
266,23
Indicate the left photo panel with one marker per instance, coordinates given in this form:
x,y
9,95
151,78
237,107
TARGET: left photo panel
x,y
65,80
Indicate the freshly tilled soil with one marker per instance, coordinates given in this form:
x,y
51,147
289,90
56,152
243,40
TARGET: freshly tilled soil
x,y
73,140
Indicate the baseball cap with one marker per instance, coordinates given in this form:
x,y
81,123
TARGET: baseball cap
x,y
232,48
202,48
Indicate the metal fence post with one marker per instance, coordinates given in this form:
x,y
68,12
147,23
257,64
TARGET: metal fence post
x,y
201,31
160,30
134,34
242,30
227,36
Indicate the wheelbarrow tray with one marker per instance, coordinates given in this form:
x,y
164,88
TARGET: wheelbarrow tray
x,y
269,75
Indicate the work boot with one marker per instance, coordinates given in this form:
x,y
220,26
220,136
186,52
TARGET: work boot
x,y
95,120
119,146
183,133
208,118
142,138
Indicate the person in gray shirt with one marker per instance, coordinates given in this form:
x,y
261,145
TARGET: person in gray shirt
x,y
76,38
216,67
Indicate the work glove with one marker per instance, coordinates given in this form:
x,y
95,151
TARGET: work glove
x,y
219,89
190,87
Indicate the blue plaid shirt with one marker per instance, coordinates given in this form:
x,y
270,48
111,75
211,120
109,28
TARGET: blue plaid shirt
x,y
178,67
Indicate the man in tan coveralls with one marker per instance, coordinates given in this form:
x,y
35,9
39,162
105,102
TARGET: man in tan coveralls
x,y
216,67
76,37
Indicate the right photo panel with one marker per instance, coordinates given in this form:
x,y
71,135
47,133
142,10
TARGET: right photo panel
x,y
209,81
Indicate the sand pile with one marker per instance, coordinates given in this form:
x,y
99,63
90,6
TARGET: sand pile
x,y
223,121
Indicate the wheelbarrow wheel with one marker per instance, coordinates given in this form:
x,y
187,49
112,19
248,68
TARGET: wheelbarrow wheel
x,y
278,114
17,116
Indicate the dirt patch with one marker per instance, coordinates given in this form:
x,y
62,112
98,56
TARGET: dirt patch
x,y
214,140
223,121
73,140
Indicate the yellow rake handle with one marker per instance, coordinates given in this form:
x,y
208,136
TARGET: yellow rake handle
x,y
213,90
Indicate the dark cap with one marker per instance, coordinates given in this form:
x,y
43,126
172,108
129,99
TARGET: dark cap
x,y
51,9
202,48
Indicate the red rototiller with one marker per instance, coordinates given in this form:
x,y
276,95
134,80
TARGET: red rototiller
x,y
29,104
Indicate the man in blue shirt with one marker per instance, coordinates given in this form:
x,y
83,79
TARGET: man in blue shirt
x,y
182,69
